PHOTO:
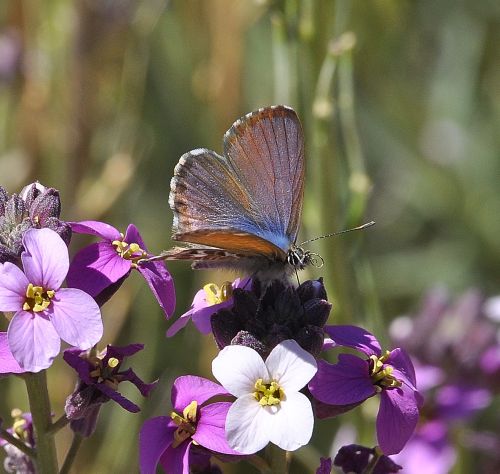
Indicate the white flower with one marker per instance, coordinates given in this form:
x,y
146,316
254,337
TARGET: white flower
x,y
269,406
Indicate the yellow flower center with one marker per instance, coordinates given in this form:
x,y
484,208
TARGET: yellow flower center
x,y
105,373
216,295
268,394
129,251
37,298
382,375
186,423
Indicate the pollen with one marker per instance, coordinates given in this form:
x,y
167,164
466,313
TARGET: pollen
x,y
113,362
216,295
186,423
381,373
268,394
37,298
129,251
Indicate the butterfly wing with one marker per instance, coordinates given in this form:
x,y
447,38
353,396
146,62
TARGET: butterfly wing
x,y
248,201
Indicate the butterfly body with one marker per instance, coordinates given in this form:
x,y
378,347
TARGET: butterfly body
x,y
242,210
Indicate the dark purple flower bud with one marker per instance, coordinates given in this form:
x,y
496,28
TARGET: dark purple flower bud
x,y
100,376
262,317
45,205
356,459
325,466
3,200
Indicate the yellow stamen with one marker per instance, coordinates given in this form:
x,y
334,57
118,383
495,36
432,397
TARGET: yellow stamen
x,y
128,251
113,362
216,295
381,373
268,394
37,298
186,423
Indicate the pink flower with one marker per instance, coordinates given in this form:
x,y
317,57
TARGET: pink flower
x,y
45,313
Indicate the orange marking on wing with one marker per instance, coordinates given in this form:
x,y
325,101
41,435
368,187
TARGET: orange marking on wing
x,y
240,243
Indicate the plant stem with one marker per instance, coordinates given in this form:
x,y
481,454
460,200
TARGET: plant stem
x,y
277,459
70,457
6,436
58,424
259,463
38,395
377,454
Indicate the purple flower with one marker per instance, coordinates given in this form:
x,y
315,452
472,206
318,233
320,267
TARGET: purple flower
x,y
35,207
430,447
356,459
325,466
100,376
8,365
16,461
100,268
45,313
169,440
267,314
208,301
354,379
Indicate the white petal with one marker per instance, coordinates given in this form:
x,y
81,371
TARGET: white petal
x,y
237,368
291,366
248,425
293,424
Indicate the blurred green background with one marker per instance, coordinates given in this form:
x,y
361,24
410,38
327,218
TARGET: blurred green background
x,y
400,103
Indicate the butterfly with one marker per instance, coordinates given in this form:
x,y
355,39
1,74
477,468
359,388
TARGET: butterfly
x,y
242,210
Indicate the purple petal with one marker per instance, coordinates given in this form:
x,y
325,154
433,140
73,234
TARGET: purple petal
x,y
460,402
161,284
355,337
13,284
210,432
190,387
101,229
132,235
131,376
33,341
82,366
76,318
176,460
325,466
123,351
8,365
95,267
117,397
401,361
397,418
46,259
343,383
155,436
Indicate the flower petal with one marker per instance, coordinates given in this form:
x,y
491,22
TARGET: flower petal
x,y
76,318
237,368
343,383
46,258
190,388
401,361
176,460
397,418
96,267
8,365
33,341
117,397
355,337
101,229
248,425
292,424
291,366
210,432
161,284
132,235
13,284
155,436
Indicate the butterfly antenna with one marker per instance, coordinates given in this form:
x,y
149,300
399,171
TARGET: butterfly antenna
x,y
364,226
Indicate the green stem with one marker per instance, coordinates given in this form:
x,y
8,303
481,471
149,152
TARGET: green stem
x,y
58,424
38,395
277,459
6,436
377,454
70,457
259,463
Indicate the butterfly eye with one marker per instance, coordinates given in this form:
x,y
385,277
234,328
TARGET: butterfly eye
x,y
315,259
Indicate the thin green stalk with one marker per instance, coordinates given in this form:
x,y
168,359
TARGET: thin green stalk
x,y
6,436
377,454
260,464
71,456
58,424
277,458
38,395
